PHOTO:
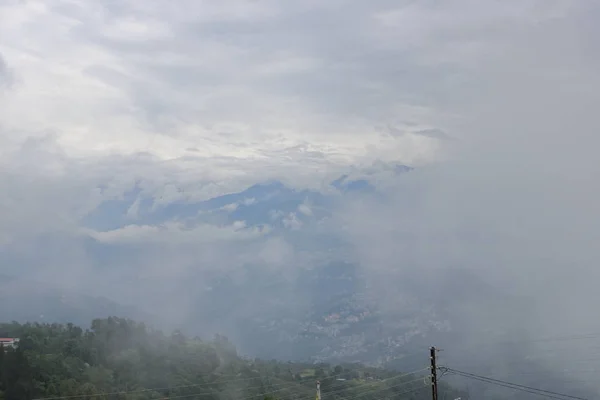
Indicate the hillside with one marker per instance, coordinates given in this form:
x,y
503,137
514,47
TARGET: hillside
x,y
123,359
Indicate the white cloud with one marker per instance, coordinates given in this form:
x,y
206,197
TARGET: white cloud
x,y
230,207
291,221
276,214
305,209
176,233
146,77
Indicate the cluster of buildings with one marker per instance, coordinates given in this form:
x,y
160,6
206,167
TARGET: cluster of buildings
x,y
9,342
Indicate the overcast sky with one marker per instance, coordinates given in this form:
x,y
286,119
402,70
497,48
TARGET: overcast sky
x,y
244,84
236,86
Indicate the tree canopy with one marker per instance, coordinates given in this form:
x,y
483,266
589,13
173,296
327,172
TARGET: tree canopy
x,y
122,359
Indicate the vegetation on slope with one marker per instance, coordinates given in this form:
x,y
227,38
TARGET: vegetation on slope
x,y
123,359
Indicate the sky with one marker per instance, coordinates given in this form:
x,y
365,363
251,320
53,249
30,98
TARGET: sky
x,y
238,88
494,102
236,83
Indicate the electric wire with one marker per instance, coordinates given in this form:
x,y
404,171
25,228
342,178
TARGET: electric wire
x,y
285,384
542,392
205,384
329,393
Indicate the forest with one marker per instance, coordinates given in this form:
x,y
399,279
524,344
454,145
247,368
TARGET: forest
x,y
122,359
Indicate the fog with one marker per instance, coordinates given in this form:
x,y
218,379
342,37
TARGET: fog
x,y
515,204
494,105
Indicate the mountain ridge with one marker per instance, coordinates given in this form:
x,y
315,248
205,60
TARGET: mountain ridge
x,y
257,204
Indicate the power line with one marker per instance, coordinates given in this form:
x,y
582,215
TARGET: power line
x,y
205,384
183,396
523,368
328,393
197,385
405,374
383,388
268,393
516,388
402,375
542,379
529,389
391,387
349,398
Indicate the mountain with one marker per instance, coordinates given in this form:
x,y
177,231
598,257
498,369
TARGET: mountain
x,y
270,203
322,313
267,203
315,305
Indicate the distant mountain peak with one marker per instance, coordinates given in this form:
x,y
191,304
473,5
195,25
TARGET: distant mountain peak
x,y
339,181
361,182
266,186
272,183
345,184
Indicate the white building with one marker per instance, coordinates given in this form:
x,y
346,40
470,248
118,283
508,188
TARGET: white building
x,y
9,342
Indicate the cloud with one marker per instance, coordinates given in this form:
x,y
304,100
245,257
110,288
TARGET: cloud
x,y
433,133
177,233
513,204
174,79
291,221
305,209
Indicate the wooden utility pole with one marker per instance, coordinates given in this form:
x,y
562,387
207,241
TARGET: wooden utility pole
x,y
434,389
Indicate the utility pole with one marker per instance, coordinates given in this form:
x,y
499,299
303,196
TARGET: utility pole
x,y
318,390
434,389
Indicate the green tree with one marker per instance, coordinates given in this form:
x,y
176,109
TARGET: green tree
x,y
133,362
